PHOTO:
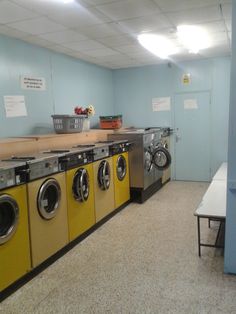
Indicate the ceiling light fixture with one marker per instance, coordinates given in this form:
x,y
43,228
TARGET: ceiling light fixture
x,y
158,45
67,1
194,38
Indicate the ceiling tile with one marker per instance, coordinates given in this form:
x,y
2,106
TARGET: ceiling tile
x,y
101,52
101,30
227,11
116,41
148,23
84,45
60,48
130,48
63,36
10,12
207,14
128,9
37,41
97,2
228,25
12,32
216,51
183,5
213,27
37,26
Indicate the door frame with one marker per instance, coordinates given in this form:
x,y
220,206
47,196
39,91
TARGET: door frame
x,y
173,119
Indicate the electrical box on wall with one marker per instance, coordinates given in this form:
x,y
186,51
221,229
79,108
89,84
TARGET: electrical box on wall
x,y
186,79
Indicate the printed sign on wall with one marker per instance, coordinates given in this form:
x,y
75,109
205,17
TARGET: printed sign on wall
x,y
161,104
33,83
190,104
15,106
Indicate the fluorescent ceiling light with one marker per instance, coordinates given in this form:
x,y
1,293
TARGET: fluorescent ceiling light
x,y
194,38
158,45
67,1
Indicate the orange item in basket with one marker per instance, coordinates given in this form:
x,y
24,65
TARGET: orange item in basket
x,y
111,122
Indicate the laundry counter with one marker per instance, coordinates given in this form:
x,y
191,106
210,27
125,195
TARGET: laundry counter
x,y
36,143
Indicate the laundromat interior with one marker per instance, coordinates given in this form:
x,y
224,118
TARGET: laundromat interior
x,y
117,156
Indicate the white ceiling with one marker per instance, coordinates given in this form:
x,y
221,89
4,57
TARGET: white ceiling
x,y
104,32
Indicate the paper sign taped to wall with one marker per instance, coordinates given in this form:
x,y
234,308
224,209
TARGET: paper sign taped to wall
x,y
190,104
161,104
33,83
15,106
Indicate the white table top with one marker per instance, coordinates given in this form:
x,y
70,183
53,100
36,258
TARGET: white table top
x,y
214,201
221,173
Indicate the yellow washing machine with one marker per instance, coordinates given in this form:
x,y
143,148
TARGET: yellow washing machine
x,y
80,191
103,181
46,190
14,232
121,172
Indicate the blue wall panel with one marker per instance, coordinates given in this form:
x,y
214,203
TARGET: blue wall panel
x,y
70,82
135,88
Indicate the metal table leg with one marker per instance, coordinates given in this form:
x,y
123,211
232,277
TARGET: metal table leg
x,y
199,236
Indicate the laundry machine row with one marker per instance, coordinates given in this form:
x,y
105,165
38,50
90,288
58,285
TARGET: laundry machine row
x,y
61,194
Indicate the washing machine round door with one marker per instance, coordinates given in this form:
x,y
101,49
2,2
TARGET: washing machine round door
x,y
80,186
104,175
148,161
9,217
121,167
161,158
49,197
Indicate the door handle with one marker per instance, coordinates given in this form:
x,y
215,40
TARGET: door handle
x,y
177,138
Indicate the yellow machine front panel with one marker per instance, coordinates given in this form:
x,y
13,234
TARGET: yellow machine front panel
x,y
122,188
104,200
81,215
15,254
47,236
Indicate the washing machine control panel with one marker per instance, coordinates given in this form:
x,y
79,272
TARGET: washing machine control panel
x,y
75,160
101,152
7,178
119,148
42,168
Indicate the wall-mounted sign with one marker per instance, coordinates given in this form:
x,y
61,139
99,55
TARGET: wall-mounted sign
x,y
186,79
161,104
33,83
15,106
190,104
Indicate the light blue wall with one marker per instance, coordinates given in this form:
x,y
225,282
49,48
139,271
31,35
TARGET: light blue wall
x,y
134,89
230,247
73,82
70,82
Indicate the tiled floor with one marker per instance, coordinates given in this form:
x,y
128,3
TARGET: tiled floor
x,y
144,260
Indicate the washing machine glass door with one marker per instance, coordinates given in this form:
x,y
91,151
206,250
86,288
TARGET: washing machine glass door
x,y
104,175
80,186
9,217
161,158
148,161
121,167
49,197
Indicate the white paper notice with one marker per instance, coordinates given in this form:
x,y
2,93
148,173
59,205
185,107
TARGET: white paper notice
x,y
161,104
190,104
15,106
33,83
